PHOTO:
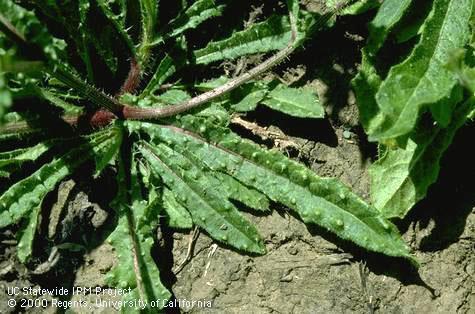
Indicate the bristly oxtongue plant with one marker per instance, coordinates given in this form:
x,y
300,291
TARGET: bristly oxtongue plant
x,y
174,154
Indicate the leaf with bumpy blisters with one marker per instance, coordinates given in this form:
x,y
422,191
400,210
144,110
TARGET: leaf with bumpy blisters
x,y
323,201
210,210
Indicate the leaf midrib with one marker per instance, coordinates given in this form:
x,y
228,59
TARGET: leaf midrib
x,y
417,87
197,194
279,175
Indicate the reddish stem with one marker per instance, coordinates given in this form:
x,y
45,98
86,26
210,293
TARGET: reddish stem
x,y
133,78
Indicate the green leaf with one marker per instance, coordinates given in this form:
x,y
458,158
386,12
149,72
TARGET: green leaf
x,y
28,27
209,209
116,12
367,82
27,236
365,85
272,34
108,44
423,79
17,128
149,15
5,97
58,101
464,73
108,153
402,176
442,110
235,190
300,102
11,160
28,193
166,68
361,6
132,240
322,201
177,214
242,99
248,96
390,12
194,15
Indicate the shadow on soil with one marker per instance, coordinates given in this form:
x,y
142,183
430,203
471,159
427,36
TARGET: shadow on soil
x,y
448,204
451,199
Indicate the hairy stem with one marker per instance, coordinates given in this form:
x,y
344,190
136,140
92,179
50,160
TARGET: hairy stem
x,y
137,113
124,111
97,97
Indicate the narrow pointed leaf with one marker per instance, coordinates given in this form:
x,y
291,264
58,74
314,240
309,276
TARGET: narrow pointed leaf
x,y
300,102
248,96
27,236
28,193
21,155
322,201
158,195
133,241
58,101
149,20
272,34
115,11
197,13
166,68
208,209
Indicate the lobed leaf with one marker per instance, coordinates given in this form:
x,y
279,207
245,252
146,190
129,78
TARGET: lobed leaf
x,y
322,201
13,159
272,34
194,15
132,240
208,208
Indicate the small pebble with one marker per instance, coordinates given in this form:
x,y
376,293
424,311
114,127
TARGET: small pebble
x,y
347,134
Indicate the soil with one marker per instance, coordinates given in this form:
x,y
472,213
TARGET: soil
x,y
306,269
